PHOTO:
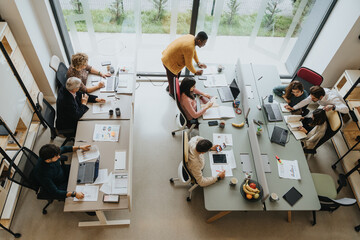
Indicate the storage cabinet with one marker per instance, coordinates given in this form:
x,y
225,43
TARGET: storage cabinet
x,y
24,128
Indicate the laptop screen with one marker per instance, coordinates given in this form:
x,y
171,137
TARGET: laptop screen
x,y
235,91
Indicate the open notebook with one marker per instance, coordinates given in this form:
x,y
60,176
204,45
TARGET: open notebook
x,y
293,122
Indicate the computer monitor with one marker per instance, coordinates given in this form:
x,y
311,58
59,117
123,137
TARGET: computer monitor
x,y
244,97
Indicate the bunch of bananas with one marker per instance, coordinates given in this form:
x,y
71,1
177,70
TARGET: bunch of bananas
x,y
250,192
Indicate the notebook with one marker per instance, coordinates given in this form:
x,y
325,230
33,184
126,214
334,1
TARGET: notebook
x,y
292,196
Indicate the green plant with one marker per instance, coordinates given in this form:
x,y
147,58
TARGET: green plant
x,y
271,12
77,6
159,5
234,7
117,10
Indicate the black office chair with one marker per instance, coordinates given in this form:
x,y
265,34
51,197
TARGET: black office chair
x,y
184,175
60,69
334,124
181,117
23,174
327,193
47,114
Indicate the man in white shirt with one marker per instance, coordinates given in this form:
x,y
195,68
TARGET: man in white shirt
x,y
197,147
329,99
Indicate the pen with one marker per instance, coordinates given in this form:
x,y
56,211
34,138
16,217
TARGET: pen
x,y
260,78
278,159
81,141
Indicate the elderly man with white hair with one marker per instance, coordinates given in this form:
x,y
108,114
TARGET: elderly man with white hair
x,y
71,105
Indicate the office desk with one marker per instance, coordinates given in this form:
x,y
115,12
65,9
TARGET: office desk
x,y
220,192
107,150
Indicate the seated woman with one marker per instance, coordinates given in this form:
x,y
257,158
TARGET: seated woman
x,y
197,147
71,105
79,68
187,99
318,130
292,94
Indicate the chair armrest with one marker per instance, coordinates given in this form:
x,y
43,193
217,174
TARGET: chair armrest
x,y
309,151
193,121
345,201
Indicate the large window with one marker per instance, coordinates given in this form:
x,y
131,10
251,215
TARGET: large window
x,y
277,32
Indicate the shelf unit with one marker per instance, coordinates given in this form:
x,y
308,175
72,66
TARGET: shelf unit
x,y
26,130
348,86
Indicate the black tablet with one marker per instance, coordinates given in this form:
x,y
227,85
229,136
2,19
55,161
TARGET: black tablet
x,y
219,158
292,196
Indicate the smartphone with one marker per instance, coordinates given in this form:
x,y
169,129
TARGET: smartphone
x,y
271,98
213,123
221,147
111,198
202,77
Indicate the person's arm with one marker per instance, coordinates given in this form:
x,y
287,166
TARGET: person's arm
x,y
314,136
188,56
303,103
338,105
200,179
198,92
97,72
186,103
50,187
92,98
66,149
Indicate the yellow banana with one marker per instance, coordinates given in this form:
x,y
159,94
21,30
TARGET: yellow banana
x,y
238,125
247,191
251,189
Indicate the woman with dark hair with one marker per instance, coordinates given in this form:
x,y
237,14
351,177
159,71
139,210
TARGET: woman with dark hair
x,y
292,94
187,99
318,130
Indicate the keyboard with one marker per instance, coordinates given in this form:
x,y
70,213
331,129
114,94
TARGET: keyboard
x,y
273,112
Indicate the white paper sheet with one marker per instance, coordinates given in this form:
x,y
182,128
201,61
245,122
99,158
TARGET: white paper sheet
x,y
102,176
106,133
210,70
289,169
92,154
216,80
215,169
219,139
219,112
119,183
249,92
282,106
91,193
120,161
102,107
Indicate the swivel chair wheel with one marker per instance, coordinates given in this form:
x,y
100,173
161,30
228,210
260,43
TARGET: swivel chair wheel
x,y
171,180
333,166
188,199
173,133
17,235
44,211
357,228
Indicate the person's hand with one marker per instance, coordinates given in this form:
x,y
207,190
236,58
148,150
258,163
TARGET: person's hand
x,y
302,129
104,75
199,72
287,100
101,84
328,107
222,174
85,147
209,105
289,108
84,99
202,65
79,195
213,148
100,100
207,95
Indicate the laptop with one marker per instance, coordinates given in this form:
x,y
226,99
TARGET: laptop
x,y
110,84
279,136
228,94
88,171
272,111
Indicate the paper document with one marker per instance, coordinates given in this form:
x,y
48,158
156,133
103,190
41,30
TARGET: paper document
x,y
124,80
92,154
216,169
91,193
205,100
102,176
219,139
217,80
119,183
289,169
107,89
102,107
120,161
293,122
249,92
219,112
210,70
106,133
282,106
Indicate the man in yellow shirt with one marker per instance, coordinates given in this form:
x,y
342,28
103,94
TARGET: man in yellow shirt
x,y
179,54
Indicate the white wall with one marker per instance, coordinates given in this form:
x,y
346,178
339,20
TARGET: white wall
x,y
337,46
34,28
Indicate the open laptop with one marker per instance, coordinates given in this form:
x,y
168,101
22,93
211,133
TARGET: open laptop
x,y
88,172
228,94
272,111
279,136
111,84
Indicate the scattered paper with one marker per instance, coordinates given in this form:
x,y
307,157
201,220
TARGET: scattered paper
x,y
91,193
210,70
216,169
120,161
219,112
282,106
92,154
107,133
293,122
219,139
217,80
102,107
213,100
289,169
119,184
102,176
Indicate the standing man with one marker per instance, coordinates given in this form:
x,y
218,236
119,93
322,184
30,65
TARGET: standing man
x,y
179,54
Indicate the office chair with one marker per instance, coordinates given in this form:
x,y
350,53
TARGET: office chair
x,y
60,69
327,193
308,78
47,114
334,124
23,174
184,175
54,62
181,118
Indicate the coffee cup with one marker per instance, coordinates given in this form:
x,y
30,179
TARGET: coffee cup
x,y
222,124
111,112
220,68
233,181
274,197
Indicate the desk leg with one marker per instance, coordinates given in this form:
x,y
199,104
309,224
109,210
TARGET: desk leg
x,y
289,216
217,216
103,221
